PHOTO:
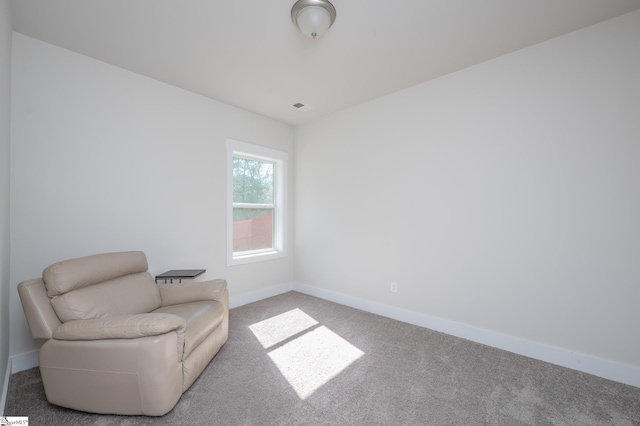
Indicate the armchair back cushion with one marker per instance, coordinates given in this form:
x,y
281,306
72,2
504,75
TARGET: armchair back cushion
x,y
92,287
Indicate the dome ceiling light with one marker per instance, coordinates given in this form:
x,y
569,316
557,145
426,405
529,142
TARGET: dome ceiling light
x,y
313,17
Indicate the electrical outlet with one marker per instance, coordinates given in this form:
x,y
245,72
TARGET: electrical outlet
x,y
394,287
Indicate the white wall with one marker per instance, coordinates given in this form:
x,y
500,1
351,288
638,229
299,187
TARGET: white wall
x,y
103,159
5,132
504,198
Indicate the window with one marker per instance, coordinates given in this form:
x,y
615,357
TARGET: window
x,y
256,200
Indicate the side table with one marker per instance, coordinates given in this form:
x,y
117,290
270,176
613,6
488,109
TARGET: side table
x,y
180,274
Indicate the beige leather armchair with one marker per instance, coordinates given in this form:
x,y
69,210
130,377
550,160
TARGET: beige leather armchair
x,y
116,342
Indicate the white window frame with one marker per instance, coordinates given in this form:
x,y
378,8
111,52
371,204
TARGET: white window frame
x,y
279,158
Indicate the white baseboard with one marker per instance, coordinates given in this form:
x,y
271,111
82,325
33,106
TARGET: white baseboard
x,y
607,369
24,361
15,364
5,387
254,296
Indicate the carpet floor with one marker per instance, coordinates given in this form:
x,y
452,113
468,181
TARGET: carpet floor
x,y
294,359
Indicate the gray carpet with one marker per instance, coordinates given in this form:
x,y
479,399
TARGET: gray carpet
x,y
298,360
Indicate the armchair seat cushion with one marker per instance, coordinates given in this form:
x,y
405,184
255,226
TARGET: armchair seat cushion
x,y
201,317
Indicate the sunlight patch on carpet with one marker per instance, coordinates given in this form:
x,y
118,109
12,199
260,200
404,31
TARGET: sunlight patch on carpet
x,y
277,329
311,359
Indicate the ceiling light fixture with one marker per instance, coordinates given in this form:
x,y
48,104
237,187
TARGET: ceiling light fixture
x,y
313,17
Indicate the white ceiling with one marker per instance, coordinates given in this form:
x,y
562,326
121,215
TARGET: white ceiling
x,y
249,54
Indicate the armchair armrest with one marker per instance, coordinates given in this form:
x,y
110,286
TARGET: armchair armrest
x,y
41,317
121,327
174,294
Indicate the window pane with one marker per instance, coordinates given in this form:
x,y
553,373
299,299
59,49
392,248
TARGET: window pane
x,y
252,229
252,181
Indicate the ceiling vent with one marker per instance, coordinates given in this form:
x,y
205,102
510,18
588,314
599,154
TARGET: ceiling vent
x,y
302,107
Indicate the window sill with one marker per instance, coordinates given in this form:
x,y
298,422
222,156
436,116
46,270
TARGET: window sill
x,y
242,259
